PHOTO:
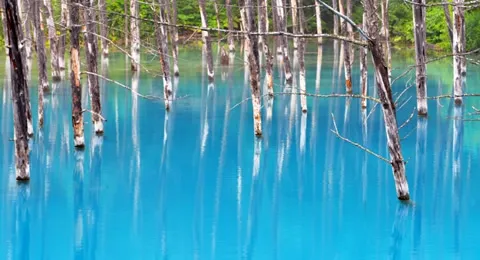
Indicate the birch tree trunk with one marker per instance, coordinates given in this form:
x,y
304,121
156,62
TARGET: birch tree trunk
x,y
363,65
64,24
318,17
174,37
231,43
206,41
294,10
284,42
263,16
161,35
253,60
102,6
77,117
301,57
388,105
19,84
92,53
419,15
459,61
52,37
41,60
135,36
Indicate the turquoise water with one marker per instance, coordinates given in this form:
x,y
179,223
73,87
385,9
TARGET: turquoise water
x,y
198,185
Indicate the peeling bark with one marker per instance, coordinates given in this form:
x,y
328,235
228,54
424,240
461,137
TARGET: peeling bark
x,y
102,16
206,41
364,66
19,84
231,43
263,16
52,37
77,117
92,53
41,60
135,36
284,42
419,15
459,61
64,24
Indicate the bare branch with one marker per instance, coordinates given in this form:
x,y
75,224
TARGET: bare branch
x,y
408,119
93,112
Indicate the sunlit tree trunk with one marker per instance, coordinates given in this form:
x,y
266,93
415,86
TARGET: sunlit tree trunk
x,y
126,27
284,42
64,23
102,16
19,84
364,66
206,41
459,61
41,60
301,56
276,28
25,19
215,6
347,31
388,105
77,117
386,35
335,18
174,37
135,36
92,53
419,14
52,37
263,16
318,17
161,36
231,43
294,10
253,60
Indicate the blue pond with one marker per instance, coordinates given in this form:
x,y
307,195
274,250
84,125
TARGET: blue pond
x,y
197,184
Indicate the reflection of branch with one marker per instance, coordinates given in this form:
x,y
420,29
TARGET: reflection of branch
x,y
408,119
409,133
93,112
335,131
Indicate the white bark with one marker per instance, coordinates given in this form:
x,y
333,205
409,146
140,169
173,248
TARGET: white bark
x,y
459,62
52,37
135,36
419,15
206,41
318,17
364,67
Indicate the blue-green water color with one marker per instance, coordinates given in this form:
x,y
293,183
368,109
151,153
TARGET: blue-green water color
x,y
197,184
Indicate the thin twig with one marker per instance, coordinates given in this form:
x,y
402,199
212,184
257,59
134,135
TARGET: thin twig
x,y
409,133
408,119
93,112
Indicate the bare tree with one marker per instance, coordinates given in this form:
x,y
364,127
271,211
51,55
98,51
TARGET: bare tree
x,y
77,117
386,36
419,15
318,17
41,60
24,10
215,6
263,17
52,37
19,84
161,35
301,56
294,10
231,43
284,42
102,16
174,37
347,31
135,35
448,20
363,65
64,24
206,41
92,53
459,60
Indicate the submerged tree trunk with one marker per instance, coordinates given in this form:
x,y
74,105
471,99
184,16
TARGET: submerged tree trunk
x,y
318,17
231,43
263,16
335,18
419,14
284,42
388,105
347,31
102,6
276,27
52,37
364,66
135,36
301,57
459,60
386,36
206,41
41,60
92,53
25,16
19,84
64,23
294,10
253,60
174,37
161,36
77,117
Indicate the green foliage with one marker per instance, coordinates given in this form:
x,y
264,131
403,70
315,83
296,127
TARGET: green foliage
x,y
472,20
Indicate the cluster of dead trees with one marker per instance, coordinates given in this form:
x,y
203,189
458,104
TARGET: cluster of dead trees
x,y
79,17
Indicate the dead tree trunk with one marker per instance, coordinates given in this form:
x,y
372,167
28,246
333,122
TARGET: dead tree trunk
x,y
448,20
301,57
386,36
126,25
364,66
318,17
276,27
231,43
419,15
294,10
263,16
215,6
52,37
77,117
335,18
388,104
102,6
41,60
64,24
161,36
135,36
284,42
19,84
24,14
206,41
347,31
459,60
174,37
92,53
253,60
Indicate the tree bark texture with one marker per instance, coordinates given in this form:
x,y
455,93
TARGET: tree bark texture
x,y
77,117
284,42
52,37
102,16
419,15
263,16
231,43
253,60
206,41
92,53
335,18
448,20
318,16
161,36
25,16
347,31
364,66
459,61
64,24
135,36
301,57
215,7
386,35
174,37
276,27
41,60
388,105
294,10
19,84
